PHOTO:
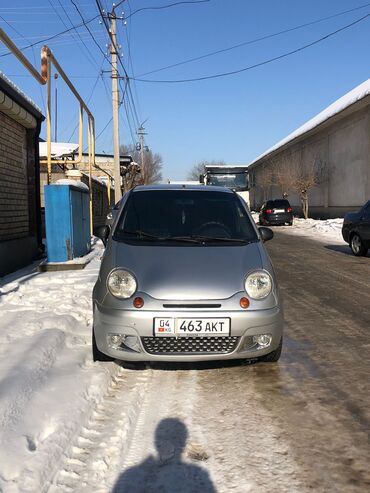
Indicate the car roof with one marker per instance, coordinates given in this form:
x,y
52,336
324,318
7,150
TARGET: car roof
x,y
201,188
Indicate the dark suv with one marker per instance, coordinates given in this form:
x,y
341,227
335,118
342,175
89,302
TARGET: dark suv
x,y
276,212
356,230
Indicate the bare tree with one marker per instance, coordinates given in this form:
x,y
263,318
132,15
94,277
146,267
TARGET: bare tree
x,y
305,176
282,173
199,169
264,179
151,172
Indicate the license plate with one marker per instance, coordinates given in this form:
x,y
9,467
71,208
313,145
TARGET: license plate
x,y
279,210
191,327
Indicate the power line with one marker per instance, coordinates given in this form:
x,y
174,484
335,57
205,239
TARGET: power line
x,y
265,62
115,48
166,6
91,57
53,36
127,31
34,56
253,41
105,127
88,29
91,60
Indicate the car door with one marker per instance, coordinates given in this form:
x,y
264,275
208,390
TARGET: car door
x,y
364,223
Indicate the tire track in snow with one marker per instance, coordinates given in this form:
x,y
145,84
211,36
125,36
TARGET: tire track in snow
x,y
96,453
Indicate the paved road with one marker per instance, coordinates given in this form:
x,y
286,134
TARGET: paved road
x,y
301,425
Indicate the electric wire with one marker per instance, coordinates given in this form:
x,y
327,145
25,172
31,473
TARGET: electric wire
x,y
33,53
166,6
53,36
127,31
253,41
88,29
265,62
91,57
115,48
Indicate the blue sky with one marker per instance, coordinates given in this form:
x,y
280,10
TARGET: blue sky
x,y
232,118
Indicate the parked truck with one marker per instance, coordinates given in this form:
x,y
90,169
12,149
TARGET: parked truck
x,y
234,177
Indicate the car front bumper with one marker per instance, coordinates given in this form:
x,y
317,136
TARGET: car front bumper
x,y
139,323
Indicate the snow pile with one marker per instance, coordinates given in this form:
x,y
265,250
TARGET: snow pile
x,y
48,383
329,230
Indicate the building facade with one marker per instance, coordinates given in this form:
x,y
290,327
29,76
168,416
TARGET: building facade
x,y
20,219
333,148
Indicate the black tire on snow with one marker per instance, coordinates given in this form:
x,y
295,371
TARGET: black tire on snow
x,y
96,353
274,355
358,250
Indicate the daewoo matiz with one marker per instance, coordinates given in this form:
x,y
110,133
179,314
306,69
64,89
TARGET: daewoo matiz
x,y
185,277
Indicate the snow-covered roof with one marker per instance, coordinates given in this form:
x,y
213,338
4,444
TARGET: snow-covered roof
x,y
58,149
356,94
19,92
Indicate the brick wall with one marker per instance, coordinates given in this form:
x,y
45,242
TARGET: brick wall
x,y
14,190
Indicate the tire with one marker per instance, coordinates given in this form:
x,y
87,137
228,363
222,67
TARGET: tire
x,y
96,353
357,246
274,356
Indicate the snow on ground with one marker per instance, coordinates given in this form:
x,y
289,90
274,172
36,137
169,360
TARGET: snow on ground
x,y
325,231
49,385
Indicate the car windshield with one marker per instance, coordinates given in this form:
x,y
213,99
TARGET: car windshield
x,y
235,180
185,216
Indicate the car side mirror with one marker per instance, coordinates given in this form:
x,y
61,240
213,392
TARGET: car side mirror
x,y
266,233
102,232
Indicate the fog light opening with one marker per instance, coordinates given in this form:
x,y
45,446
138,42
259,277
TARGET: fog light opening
x,y
123,342
263,340
114,340
131,343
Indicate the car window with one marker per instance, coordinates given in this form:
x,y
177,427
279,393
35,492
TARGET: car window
x,y
184,213
280,203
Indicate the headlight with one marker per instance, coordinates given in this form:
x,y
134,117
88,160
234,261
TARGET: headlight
x,y
121,283
258,285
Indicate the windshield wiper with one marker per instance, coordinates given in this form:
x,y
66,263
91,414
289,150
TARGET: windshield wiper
x,y
143,234
214,238
189,239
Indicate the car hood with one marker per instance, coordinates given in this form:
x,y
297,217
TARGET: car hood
x,y
188,272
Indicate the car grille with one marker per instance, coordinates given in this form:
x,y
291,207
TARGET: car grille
x,y
189,345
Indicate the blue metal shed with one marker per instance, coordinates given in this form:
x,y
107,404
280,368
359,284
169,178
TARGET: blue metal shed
x,y
67,222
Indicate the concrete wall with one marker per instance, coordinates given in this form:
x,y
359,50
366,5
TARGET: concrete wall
x,y
343,146
18,205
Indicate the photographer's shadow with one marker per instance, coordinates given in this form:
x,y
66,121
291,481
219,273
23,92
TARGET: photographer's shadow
x,y
166,473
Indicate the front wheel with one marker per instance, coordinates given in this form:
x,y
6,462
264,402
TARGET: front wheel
x,y
274,355
96,353
357,246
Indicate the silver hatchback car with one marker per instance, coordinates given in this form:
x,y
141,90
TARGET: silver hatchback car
x,y
185,277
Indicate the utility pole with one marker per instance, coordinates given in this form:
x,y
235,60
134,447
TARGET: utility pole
x,y
141,133
115,107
